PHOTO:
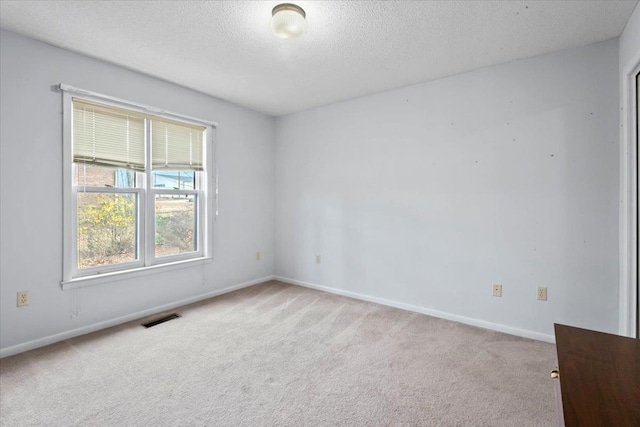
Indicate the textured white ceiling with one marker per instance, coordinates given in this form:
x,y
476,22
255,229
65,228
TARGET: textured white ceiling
x,y
352,48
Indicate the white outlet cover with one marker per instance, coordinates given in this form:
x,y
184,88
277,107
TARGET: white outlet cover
x,y
542,293
497,290
23,298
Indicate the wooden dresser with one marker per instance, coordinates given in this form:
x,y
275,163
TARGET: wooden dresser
x,y
599,378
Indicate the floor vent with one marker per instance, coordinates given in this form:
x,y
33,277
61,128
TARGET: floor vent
x,y
161,320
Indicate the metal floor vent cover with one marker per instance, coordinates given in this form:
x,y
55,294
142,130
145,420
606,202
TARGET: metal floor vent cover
x,y
161,320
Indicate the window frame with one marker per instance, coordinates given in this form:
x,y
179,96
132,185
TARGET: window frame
x,y
146,262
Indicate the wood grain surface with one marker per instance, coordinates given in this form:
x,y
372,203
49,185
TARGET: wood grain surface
x,y
599,377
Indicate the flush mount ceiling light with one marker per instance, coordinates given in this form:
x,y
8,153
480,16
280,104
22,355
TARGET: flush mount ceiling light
x,y
287,21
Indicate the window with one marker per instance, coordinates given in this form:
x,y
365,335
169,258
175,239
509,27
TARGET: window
x,y
136,188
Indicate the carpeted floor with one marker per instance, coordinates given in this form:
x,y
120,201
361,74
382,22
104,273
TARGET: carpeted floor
x,y
276,354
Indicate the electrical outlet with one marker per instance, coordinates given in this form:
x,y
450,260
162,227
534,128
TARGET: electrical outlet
x,y
23,298
318,259
497,290
542,293
257,256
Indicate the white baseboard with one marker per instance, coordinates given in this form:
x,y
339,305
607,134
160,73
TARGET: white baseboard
x,y
435,313
41,342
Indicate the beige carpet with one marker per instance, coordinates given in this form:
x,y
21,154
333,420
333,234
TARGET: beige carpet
x,y
276,354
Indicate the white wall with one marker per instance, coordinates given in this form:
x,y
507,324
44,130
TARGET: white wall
x,y
630,40
31,195
429,194
629,59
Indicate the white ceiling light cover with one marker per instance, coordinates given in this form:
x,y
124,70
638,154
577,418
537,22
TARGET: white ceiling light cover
x,y
288,21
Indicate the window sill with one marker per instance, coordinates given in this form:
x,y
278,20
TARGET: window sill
x,y
81,282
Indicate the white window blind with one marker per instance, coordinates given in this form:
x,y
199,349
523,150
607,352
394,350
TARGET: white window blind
x,y
107,136
176,146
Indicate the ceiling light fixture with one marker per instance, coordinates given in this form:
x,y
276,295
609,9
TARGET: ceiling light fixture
x,y
288,21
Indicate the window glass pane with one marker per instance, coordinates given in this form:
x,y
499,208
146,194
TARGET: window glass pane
x,y
106,229
176,180
91,175
175,224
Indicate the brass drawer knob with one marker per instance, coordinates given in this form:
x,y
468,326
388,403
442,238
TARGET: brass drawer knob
x,y
555,373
